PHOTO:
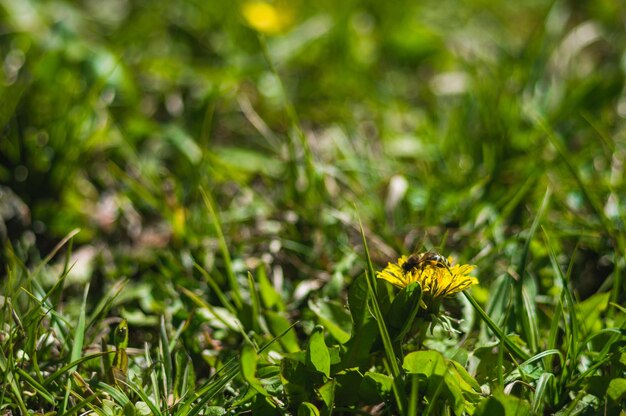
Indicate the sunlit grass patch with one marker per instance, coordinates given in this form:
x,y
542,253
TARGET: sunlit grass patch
x,y
214,155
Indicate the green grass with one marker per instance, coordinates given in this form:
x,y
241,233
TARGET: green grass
x,y
224,198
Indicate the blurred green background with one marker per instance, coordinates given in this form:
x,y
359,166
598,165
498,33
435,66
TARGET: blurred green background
x,y
443,122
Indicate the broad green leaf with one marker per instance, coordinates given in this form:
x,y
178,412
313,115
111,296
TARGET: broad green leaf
x,y
270,297
357,300
298,380
361,343
468,383
143,409
327,393
347,384
426,363
335,318
263,406
403,310
215,411
617,389
375,387
503,405
454,393
490,407
317,355
248,360
308,409
590,310
278,324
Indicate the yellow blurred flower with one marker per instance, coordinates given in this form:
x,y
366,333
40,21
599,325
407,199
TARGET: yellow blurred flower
x,y
436,281
266,17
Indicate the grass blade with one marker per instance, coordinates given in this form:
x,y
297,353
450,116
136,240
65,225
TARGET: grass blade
x,y
384,334
228,264
166,358
510,345
144,397
40,389
527,312
541,392
77,346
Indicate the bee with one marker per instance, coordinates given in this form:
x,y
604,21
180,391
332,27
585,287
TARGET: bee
x,y
420,261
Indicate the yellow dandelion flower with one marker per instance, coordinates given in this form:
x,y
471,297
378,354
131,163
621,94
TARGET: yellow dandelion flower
x,y
436,278
265,17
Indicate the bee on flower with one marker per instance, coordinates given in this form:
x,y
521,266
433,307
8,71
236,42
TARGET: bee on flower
x,y
437,275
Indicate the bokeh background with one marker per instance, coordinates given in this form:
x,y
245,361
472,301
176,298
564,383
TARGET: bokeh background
x,y
443,124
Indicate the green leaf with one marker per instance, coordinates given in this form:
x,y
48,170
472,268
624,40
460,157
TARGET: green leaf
x,y
617,389
183,142
317,355
357,301
403,310
454,392
264,406
247,162
308,409
347,384
297,380
425,363
270,297
142,408
490,407
335,318
590,310
360,344
278,324
248,362
465,378
375,387
469,388
215,411
327,393
502,405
